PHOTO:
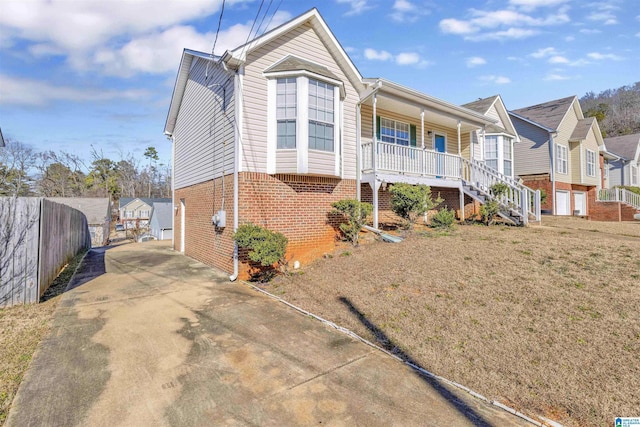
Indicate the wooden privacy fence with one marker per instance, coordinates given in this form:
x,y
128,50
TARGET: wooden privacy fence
x,y
37,238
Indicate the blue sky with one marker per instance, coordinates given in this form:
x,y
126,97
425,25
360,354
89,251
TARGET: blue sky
x,y
93,72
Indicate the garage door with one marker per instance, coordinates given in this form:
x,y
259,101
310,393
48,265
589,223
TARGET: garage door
x,y
580,203
563,203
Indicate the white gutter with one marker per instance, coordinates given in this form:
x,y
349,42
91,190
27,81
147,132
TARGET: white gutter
x,y
237,82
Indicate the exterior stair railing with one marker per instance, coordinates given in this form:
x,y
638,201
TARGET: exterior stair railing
x,y
619,195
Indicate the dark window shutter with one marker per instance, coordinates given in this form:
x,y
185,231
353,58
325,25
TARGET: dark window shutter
x,y
412,135
378,128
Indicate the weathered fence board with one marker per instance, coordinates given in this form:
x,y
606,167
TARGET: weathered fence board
x,y
37,238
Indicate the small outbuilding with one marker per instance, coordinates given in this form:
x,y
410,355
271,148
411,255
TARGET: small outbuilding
x,y
161,222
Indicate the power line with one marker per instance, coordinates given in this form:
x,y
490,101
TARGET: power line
x,y
252,25
266,12
274,14
218,30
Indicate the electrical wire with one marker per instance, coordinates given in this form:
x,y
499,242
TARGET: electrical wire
x,y
206,73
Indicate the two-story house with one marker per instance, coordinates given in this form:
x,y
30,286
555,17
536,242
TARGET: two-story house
x,y
273,131
623,165
559,153
135,212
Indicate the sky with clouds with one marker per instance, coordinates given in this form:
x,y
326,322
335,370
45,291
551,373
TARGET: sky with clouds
x,y
76,74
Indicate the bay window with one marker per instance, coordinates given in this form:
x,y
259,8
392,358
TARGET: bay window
x,y
321,116
491,151
286,112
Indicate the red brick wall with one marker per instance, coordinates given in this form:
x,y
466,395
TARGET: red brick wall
x,y
541,182
297,206
609,211
203,242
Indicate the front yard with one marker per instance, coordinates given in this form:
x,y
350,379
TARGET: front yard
x,y
545,319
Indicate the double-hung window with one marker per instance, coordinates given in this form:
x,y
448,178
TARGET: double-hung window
x,y
506,155
591,163
562,158
286,112
491,151
321,116
635,180
394,132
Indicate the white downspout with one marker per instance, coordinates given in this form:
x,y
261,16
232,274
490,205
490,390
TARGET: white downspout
x,y
358,149
236,163
553,172
374,151
173,189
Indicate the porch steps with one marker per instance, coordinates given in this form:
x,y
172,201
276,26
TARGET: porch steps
x,y
505,212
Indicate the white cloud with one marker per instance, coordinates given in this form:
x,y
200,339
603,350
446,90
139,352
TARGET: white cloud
x,y
544,52
30,92
606,17
637,34
502,24
590,31
405,11
533,4
569,38
407,58
558,59
499,80
356,7
556,77
601,56
376,55
474,61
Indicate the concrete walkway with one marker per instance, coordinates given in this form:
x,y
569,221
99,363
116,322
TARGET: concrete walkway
x,y
160,339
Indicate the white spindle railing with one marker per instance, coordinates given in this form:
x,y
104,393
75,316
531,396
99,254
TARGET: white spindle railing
x,y
619,195
417,161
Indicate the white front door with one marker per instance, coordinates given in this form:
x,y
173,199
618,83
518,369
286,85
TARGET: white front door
x,y
580,203
563,203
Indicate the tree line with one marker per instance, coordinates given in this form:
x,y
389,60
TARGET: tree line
x,y
617,110
27,172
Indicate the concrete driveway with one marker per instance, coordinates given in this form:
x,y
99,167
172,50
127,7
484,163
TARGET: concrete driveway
x,y
160,339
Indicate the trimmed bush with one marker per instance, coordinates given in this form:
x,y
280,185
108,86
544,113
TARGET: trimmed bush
x,y
443,219
409,202
355,213
266,247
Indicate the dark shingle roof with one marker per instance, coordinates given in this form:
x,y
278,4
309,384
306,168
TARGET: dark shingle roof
x,y
162,213
481,105
96,209
624,146
293,63
548,114
582,129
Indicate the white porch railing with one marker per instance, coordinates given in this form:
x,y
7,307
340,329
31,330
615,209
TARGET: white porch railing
x,y
619,195
411,160
519,198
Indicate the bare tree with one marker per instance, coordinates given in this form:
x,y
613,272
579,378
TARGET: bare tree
x,y
16,160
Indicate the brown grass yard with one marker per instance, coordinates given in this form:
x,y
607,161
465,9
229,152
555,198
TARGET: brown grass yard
x,y
545,319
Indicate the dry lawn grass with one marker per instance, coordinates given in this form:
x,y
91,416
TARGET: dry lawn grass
x,y
21,330
545,319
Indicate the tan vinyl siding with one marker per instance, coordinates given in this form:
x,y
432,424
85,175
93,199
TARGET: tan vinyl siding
x,y
321,162
565,129
451,134
476,137
287,161
493,113
302,42
204,133
576,164
531,155
591,143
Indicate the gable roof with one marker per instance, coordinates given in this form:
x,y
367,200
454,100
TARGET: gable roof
x,y
582,129
235,57
549,114
162,215
96,209
124,201
626,146
481,105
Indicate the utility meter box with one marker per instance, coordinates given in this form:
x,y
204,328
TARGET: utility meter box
x,y
220,219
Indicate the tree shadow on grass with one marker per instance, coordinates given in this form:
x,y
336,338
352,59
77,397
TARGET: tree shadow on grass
x,y
385,342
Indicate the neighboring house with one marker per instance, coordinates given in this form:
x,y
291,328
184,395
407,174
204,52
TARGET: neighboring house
x,y
274,131
97,210
136,211
559,153
494,143
624,163
161,222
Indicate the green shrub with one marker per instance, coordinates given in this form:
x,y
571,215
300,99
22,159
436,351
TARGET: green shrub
x,y
543,196
635,190
355,213
443,219
490,208
265,246
499,189
411,201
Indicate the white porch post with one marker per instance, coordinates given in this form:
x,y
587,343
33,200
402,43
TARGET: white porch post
x,y
461,203
459,142
422,127
375,185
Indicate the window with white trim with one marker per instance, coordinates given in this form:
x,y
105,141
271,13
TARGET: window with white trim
x,y
321,116
591,163
506,156
491,151
286,112
606,168
634,176
562,159
394,132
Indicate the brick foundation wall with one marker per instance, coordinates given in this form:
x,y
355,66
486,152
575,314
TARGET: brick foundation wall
x,y
451,198
541,182
609,211
297,206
